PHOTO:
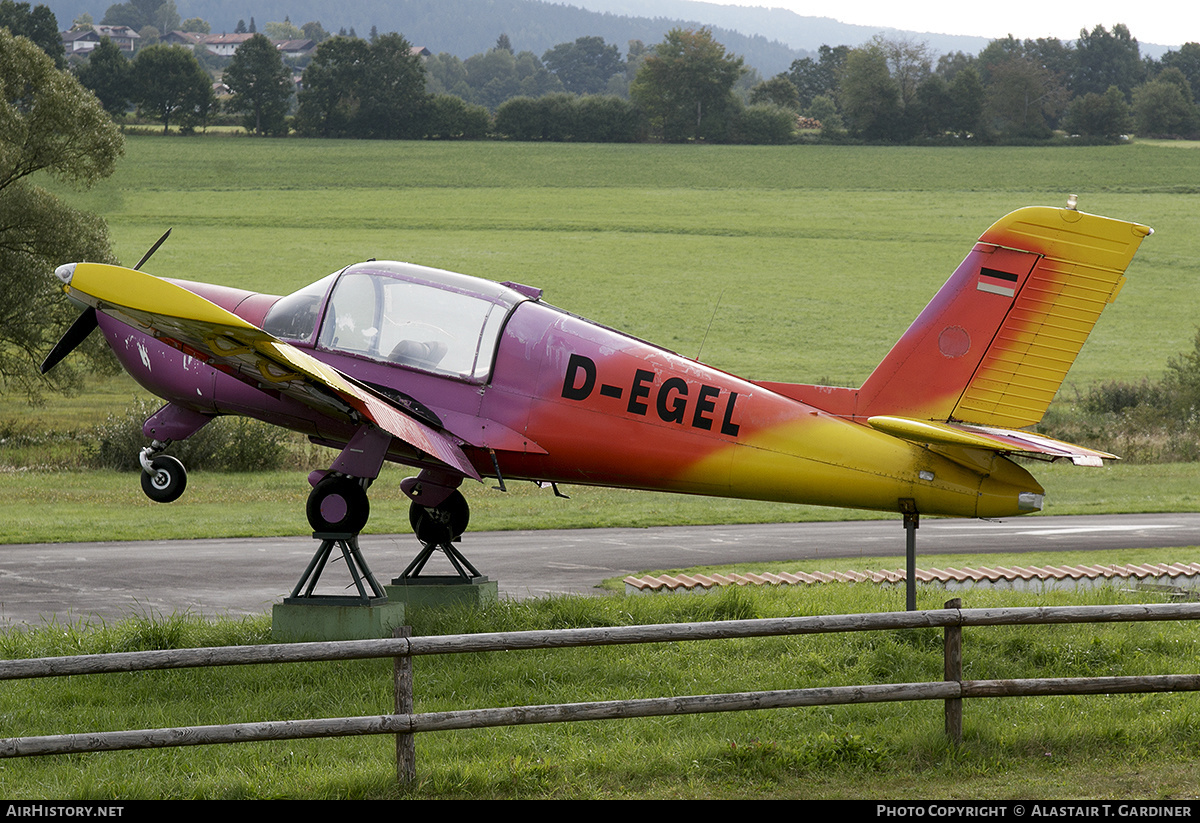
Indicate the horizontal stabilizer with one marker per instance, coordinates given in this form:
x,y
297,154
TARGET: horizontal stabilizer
x,y
1005,441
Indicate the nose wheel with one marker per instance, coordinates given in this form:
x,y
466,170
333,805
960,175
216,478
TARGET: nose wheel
x,y
163,477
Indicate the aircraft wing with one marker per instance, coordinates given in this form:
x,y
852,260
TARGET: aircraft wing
x,y
227,342
1007,441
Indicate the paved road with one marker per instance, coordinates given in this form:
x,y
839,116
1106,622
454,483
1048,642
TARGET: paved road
x,y
107,581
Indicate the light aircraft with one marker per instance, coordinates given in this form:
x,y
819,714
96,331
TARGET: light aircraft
x,y
464,378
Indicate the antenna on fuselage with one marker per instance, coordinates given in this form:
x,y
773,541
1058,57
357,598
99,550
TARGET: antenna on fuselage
x,y
710,322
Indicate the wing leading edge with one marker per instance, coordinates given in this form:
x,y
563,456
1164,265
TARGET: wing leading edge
x,y
227,342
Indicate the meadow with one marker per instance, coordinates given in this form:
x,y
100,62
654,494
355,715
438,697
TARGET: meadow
x,y
790,263
801,263
1141,746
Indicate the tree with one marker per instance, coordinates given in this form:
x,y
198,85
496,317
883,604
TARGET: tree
x,y
1187,60
168,84
818,78
393,98
315,32
331,93
1165,107
38,24
967,94
137,14
778,91
497,75
1024,98
870,97
261,85
282,31
49,124
1107,59
686,86
585,66
357,89
909,63
107,73
1099,115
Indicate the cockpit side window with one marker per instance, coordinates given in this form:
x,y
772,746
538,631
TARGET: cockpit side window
x,y
295,317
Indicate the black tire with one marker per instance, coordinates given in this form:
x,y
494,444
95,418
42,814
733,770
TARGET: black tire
x,y
442,523
168,480
338,504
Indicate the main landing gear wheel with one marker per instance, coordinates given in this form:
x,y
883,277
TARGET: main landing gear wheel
x,y
338,504
166,480
439,525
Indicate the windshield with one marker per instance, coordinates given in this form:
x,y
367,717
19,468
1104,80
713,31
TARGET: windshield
x,y
412,316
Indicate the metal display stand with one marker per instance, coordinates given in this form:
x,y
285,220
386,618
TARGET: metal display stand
x,y
412,574
363,579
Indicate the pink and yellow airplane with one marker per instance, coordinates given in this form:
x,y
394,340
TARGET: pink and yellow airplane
x,y
465,378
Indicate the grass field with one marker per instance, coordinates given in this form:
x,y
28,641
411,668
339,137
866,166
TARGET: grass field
x,y
1096,746
788,263
808,262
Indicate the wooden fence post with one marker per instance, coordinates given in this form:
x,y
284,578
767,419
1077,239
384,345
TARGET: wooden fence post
x,y
406,743
953,673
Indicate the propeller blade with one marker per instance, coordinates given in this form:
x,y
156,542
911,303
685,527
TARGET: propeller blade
x,y
152,250
76,334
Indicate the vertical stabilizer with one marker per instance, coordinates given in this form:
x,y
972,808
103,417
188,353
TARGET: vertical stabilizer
x,y
995,343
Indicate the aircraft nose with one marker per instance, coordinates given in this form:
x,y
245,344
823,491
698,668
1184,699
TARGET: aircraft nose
x,y
65,272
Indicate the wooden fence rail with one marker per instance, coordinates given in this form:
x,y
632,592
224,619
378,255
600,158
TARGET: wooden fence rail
x,y
405,724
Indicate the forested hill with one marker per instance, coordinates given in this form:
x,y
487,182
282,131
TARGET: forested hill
x,y
460,27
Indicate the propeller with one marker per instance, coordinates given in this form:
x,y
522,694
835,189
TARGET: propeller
x,y
86,323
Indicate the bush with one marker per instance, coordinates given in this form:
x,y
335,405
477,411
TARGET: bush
x,y
226,444
1115,396
452,118
519,118
606,118
765,125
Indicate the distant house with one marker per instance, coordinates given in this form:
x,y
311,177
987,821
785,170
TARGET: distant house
x,y
420,51
123,37
81,41
295,48
184,38
225,45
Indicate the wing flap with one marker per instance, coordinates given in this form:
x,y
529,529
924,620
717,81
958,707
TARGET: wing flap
x,y
1005,441
226,341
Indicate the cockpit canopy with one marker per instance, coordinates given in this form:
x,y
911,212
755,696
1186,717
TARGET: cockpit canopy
x,y
428,319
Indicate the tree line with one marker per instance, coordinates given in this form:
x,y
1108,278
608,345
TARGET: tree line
x,y
687,87
892,90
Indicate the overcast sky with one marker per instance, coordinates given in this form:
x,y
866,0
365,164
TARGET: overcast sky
x,y
1165,24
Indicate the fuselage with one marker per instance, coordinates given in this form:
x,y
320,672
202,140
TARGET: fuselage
x,y
556,398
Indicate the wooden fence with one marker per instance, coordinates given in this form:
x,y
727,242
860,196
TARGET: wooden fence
x,y
405,724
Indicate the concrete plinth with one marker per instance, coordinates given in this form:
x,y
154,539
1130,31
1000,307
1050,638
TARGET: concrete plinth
x,y
435,592
316,621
